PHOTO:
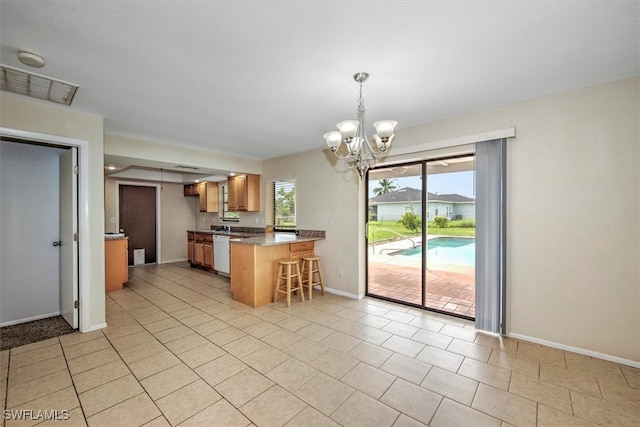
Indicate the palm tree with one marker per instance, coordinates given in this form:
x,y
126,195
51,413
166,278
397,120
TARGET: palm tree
x,y
385,186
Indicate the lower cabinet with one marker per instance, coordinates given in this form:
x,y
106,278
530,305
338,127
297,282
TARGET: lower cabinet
x,y
116,263
254,269
300,249
200,250
190,247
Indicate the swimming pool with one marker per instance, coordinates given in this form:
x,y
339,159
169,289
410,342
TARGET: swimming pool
x,y
446,250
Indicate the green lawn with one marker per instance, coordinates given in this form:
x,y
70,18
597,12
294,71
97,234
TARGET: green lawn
x,y
453,229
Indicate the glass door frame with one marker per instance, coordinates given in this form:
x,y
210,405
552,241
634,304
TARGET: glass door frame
x,y
424,233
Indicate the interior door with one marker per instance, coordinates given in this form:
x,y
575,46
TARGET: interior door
x,y
67,242
137,213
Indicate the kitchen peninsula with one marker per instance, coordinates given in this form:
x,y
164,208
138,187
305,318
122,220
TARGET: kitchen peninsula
x,y
254,262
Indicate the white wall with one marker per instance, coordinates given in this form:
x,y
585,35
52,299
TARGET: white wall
x,y
467,210
17,112
573,277
29,224
573,274
136,148
394,211
328,198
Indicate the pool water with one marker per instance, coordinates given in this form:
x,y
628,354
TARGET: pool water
x,y
447,250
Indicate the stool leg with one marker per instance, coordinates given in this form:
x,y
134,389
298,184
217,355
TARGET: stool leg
x,y
300,284
289,285
307,276
304,268
320,277
278,274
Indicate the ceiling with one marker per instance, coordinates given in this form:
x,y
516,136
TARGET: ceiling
x,y
262,79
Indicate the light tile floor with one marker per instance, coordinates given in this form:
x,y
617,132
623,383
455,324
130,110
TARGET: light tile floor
x,y
179,351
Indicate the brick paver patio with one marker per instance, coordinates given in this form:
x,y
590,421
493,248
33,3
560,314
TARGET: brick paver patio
x,y
449,291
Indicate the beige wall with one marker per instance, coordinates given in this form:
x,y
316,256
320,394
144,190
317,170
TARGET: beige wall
x,y
573,275
327,198
136,148
33,116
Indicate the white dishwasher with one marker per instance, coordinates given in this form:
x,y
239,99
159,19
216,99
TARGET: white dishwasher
x,y
221,254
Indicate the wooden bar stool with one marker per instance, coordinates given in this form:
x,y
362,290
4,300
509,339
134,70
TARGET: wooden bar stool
x,y
288,271
312,274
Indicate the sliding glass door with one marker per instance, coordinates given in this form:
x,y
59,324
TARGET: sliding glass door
x,y
395,215
421,234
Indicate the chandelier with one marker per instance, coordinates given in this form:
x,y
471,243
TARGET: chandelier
x,y
361,153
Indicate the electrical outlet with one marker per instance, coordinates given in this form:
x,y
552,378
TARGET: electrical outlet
x,y
113,220
340,272
204,219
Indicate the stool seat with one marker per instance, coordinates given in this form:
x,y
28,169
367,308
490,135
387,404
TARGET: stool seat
x,y
312,274
288,274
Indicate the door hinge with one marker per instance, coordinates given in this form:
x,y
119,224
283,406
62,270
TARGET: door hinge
x,y
76,169
75,237
76,304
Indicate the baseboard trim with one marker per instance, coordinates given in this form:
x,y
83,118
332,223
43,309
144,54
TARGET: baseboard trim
x,y
578,350
342,293
95,327
29,319
173,260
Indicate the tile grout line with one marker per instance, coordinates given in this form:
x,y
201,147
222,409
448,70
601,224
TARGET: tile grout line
x,y
116,379
275,383
163,344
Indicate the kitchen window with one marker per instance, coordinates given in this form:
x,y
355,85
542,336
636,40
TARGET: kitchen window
x,y
226,215
280,204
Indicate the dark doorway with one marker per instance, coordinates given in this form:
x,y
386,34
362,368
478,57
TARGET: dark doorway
x,y
138,219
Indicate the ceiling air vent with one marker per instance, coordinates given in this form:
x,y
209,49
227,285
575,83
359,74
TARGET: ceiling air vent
x,y
36,85
187,167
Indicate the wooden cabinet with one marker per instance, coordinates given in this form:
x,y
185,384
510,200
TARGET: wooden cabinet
x,y
190,243
207,252
244,193
116,263
207,193
200,250
300,249
190,190
254,268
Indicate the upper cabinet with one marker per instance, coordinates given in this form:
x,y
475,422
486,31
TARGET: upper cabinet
x,y
207,193
191,189
244,193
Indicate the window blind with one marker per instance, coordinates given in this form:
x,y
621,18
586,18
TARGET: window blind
x,y
280,206
490,235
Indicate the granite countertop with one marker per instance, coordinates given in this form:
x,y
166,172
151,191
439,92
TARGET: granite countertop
x,y
258,237
232,234
272,239
115,236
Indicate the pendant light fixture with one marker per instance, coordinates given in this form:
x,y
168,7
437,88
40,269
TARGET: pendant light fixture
x,y
361,153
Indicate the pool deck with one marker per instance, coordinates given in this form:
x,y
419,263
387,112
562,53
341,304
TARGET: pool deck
x,y
450,287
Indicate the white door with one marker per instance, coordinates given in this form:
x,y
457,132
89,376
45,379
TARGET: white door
x,y
68,244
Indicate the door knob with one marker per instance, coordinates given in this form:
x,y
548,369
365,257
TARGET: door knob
x,y
59,243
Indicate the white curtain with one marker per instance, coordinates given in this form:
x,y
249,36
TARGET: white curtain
x,y
490,235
